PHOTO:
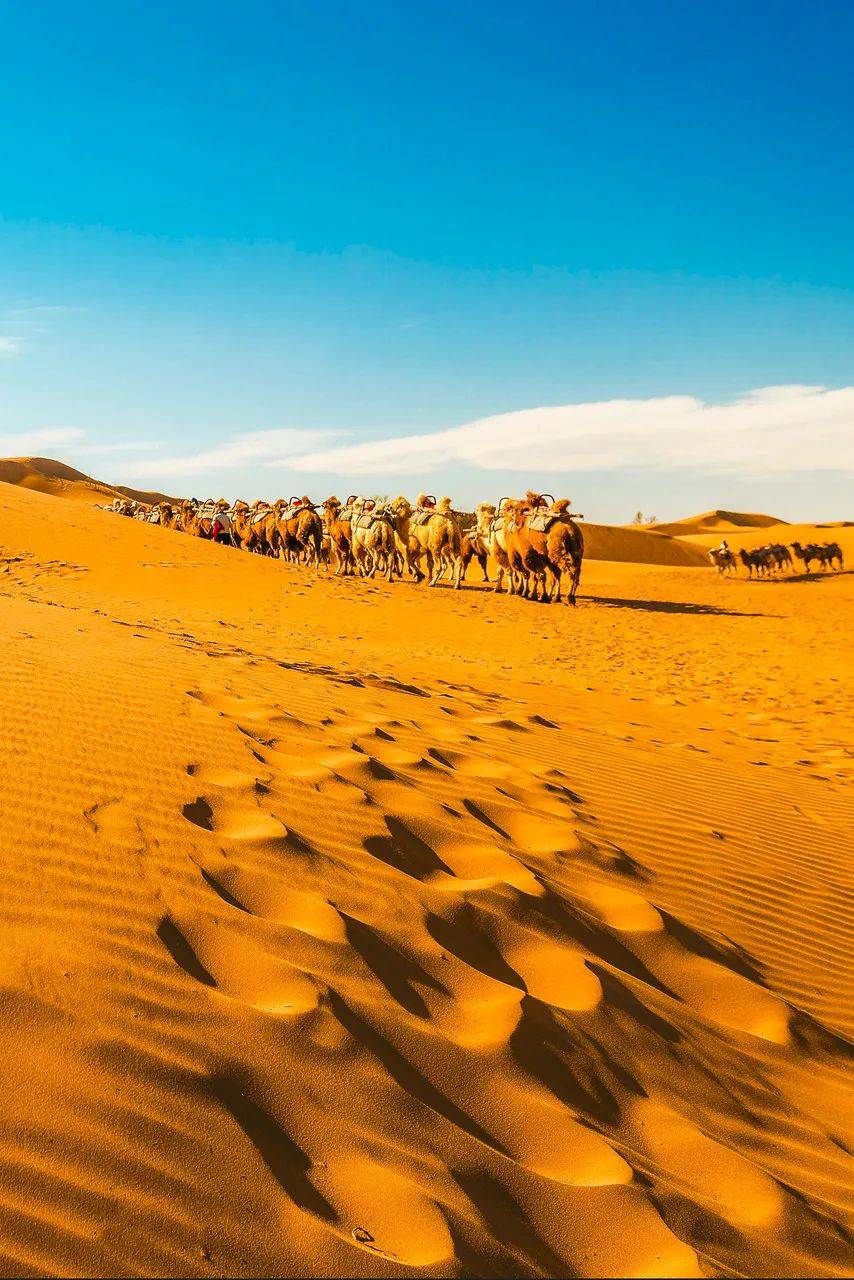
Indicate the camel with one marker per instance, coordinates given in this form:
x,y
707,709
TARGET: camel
x,y
724,561
407,549
754,560
545,543
300,531
373,539
336,521
255,528
437,536
782,555
812,551
197,519
472,547
834,552
825,553
492,532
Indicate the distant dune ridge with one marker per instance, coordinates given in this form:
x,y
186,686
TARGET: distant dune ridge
x,y
356,928
717,522
46,475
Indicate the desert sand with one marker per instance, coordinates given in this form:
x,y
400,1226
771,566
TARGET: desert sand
x,y
356,929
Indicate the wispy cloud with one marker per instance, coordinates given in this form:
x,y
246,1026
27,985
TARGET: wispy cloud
x,y
767,432
26,444
270,448
23,323
119,446
35,310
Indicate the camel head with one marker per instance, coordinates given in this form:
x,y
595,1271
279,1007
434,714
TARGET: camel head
x,y
331,506
514,511
484,514
400,506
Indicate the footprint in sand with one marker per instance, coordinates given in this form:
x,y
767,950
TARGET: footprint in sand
x,y
231,817
273,898
715,1176
710,984
228,960
383,1213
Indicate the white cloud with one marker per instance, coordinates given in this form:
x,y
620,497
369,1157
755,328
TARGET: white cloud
x,y
268,447
10,345
770,431
28,444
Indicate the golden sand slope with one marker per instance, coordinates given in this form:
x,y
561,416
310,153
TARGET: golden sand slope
x,y
46,475
355,929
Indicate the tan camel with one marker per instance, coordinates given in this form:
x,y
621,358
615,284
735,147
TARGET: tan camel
x,y
407,550
493,534
724,561
373,539
437,534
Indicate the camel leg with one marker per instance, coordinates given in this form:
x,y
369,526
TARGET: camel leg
x,y
414,567
483,562
574,581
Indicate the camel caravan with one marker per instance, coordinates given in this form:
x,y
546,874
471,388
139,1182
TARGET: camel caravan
x,y
775,557
534,542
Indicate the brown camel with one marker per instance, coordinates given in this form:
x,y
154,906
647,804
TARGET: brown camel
x,y
336,520
547,543
300,529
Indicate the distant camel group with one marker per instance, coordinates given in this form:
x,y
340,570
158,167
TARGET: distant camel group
x,y
534,541
770,560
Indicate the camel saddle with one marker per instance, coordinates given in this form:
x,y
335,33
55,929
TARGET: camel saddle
x,y
367,519
540,521
422,516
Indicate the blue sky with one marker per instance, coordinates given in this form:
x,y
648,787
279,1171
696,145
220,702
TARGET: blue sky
x,y
239,242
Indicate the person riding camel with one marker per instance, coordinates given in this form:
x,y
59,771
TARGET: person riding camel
x,y
723,549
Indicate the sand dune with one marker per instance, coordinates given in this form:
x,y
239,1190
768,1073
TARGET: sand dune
x,y
46,475
369,930
718,522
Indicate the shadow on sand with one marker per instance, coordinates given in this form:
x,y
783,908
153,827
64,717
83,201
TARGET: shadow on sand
x,y
666,606
819,576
